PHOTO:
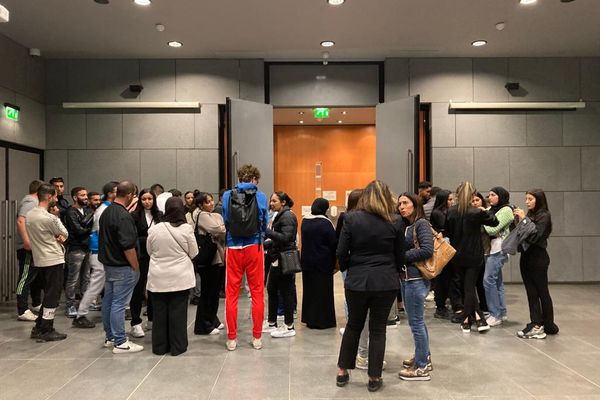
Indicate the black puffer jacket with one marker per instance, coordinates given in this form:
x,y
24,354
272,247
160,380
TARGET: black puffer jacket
x,y
282,233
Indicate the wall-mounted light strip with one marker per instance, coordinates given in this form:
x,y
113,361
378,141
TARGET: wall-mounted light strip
x,y
542,105
134,105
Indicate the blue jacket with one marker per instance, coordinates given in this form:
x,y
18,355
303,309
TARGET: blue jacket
x,y
261,198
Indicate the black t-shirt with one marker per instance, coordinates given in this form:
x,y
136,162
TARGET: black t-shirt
x,y
117,233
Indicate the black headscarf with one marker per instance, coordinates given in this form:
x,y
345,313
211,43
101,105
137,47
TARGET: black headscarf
x,y
503,198
319,206
174,211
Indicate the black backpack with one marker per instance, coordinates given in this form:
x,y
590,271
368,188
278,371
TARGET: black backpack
x,y
243,215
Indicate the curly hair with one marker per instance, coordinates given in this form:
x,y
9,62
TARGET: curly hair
x,y
247,172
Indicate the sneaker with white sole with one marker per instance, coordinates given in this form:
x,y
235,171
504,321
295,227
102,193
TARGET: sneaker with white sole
x,y
36,309
71,312
108,343
409,363
127,347
363,363
257,343
505,317
430,296
532,332
283,332
231,344
221,326
27,316
214,332
269,327
137,331
414,374
493,321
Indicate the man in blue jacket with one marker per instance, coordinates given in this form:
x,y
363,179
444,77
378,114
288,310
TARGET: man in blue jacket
x,y
245,214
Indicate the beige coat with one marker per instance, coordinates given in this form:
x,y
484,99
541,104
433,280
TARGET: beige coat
x,y
213,224
171,250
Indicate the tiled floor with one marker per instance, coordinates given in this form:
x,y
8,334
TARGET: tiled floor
x,y
496,365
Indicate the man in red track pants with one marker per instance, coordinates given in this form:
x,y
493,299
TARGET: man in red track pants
x,y
245,214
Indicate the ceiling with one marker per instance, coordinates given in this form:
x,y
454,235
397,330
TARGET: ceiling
x,y
293,29
352,116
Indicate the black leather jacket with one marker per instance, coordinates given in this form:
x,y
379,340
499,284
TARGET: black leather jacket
x,y
79,226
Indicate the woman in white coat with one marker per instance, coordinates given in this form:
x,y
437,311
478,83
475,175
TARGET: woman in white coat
x,y
171,245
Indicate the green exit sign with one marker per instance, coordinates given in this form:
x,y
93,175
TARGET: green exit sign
x,y
12,112
321,112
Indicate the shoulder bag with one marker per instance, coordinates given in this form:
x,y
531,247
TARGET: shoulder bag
x,y
207,248
442,254
289,261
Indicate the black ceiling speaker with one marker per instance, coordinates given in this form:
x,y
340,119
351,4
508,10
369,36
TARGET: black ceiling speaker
x,y
512,86
136,88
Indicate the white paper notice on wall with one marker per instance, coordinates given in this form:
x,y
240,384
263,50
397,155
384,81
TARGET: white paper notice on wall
x,y
330,195
305,210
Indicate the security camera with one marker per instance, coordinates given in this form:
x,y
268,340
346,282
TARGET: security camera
x,y
35,52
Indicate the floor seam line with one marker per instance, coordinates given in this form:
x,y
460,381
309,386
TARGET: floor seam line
x,y
145,377
212,389
75,376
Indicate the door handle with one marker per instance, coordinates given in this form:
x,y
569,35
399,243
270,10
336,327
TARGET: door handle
x,y
409,171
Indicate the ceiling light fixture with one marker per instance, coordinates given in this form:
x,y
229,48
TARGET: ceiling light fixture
x,y
301,121
479,43
344,112
301,112
526,2
175,44
142,2
339,121
336,2
500,26
327,43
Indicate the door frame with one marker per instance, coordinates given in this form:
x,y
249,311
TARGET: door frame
x,y
19,147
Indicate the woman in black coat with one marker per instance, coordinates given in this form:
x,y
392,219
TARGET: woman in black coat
x,y
319,243
280,237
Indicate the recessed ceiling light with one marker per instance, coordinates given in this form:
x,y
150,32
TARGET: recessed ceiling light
x,y
175,44
479,43
327,43
321,77
527,1
344,112
339,121
336,2
301,112
301,121
142,2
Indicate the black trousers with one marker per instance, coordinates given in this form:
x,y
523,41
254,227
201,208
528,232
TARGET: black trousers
x,y
470,274
377,304
208,303
442,287
480,290
534,265
53,279
29,283
455,287
137,297
169,328
281,283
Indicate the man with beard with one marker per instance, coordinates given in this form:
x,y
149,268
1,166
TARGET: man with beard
x,y
61,202
78,221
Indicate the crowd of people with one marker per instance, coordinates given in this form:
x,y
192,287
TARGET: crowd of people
x,y
122,248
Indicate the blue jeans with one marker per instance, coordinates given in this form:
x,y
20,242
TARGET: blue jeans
x,y
118,288
413,294
494,285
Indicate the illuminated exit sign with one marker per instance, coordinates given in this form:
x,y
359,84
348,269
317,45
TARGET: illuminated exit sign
x,y
11,112
320,113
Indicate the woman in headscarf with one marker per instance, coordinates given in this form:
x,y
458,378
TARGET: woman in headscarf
x,y
319,243
171,245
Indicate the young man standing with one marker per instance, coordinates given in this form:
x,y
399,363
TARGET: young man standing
x,y
117,251
426,198
96,268
78,221
94,201
47,235
27,283
245,214
61,202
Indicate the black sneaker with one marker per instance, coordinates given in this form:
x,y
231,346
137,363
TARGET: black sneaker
x,y
342,380
83,322
442,313
458,317
466,327
52,336
35,333
482,325
374,384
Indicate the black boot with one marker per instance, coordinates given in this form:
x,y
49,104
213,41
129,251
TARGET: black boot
x,y
36,330
48,333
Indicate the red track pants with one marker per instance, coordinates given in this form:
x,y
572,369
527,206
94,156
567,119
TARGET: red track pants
x,y
251,260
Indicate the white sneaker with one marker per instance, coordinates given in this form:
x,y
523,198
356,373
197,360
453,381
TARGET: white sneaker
x,y
127,347
108,343
36,309
342,330
493,321
363,363
148,326
137,331
283,332
430,296
231,344
221,326
268,328
27,316
257,343
214,332
505,318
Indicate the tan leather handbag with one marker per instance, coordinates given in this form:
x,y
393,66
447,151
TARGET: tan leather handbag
x,y
442,254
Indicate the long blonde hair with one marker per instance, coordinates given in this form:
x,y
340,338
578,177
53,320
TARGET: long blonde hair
x,y
377,199
464,195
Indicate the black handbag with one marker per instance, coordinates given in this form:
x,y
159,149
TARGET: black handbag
x,y
289,261
206,248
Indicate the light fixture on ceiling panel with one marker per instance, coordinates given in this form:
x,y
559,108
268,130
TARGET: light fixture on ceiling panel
x,y
327,43
344,112
301,112
300,122
336,2
175,44
339,121
142,2
479,43
526,2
